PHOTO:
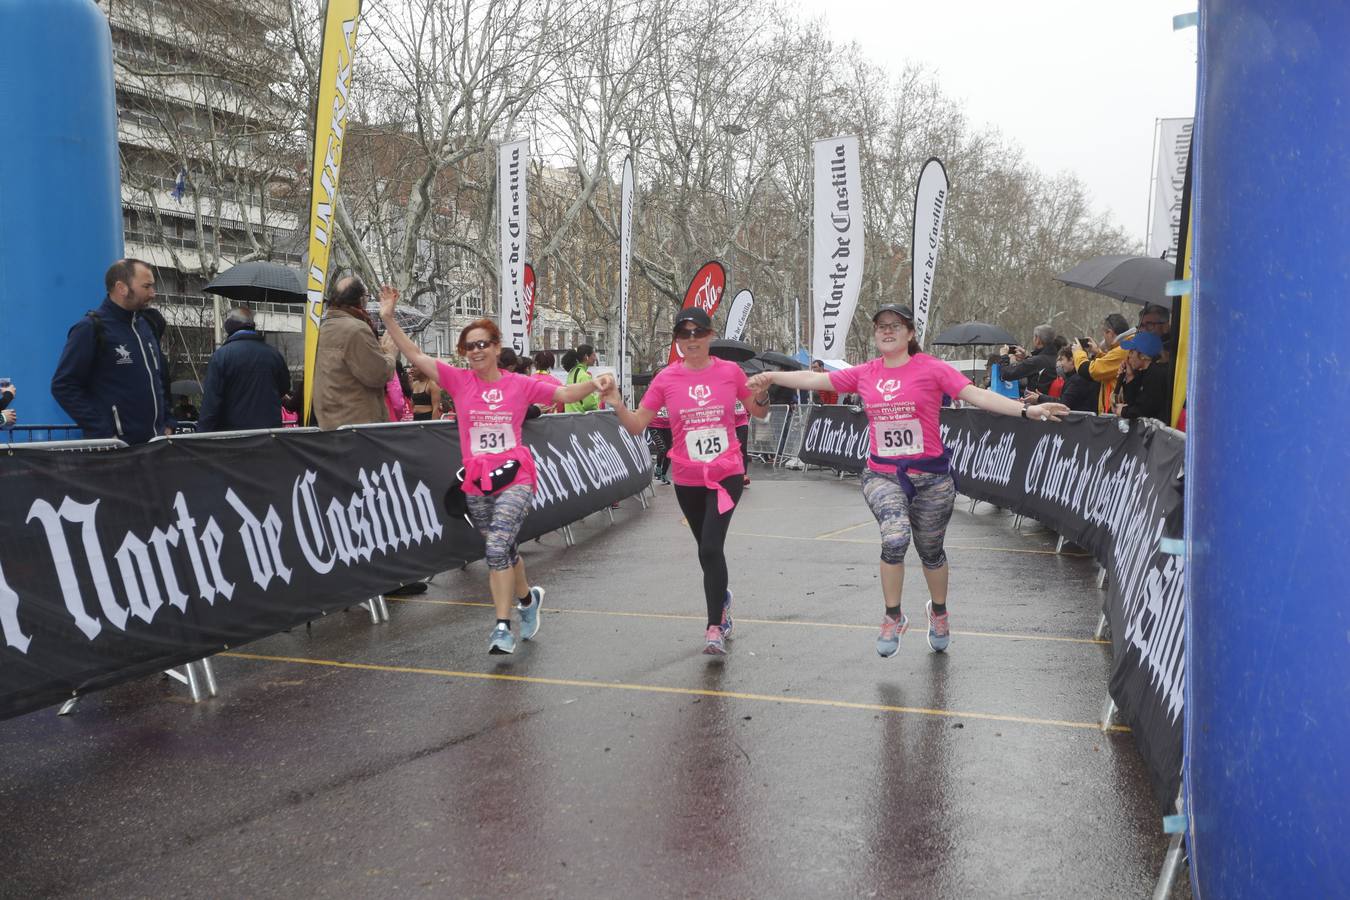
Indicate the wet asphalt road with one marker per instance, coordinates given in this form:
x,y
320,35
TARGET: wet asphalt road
x,y
610,758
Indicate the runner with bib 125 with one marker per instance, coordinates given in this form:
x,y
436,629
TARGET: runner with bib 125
x,y
699,394
907,482
498,475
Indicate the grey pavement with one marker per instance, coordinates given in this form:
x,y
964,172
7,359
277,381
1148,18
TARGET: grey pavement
x,y
610,758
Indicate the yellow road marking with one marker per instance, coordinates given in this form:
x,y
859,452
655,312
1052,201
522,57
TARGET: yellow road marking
x,y
687,692
837,531
839,540
808,623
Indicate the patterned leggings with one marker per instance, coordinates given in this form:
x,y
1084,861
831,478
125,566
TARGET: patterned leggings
x,y
498,519
926,515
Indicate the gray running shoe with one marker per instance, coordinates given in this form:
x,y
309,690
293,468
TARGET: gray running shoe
x,y
888,642
501,640
529,615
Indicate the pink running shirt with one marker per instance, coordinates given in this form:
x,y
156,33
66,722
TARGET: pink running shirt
x,y
902,404
702,408
489,413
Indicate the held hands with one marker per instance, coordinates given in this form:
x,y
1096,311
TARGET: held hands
x,y
608,388
760,383
388,300
1047,412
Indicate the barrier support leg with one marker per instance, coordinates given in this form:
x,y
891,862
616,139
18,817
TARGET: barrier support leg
x,y
1017,521
610,510
1172,862
973,501
68,707
568,539
1109,709
1103,628
1101,577
382,605
209,673
1059,545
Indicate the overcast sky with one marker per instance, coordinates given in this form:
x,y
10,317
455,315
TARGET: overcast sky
x,y
1076,83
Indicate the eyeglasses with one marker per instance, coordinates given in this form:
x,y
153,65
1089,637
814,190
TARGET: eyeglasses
x,y
685,334
478,345
888,327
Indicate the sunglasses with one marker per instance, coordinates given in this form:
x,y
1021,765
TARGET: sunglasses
x,y
685,334
478,345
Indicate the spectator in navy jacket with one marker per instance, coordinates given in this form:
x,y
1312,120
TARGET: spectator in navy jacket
x,y
245,380
110,377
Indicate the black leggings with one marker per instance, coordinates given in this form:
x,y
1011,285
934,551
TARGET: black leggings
x,y
699,505
743,435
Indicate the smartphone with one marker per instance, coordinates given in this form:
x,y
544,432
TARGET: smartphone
x,y
1083,342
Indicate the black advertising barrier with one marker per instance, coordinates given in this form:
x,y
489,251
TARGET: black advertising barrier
x,y
1110,486
121,563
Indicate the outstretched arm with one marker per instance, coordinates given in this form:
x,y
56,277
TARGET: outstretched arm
x,y
635,422
996,403
573,393
798,381
411,352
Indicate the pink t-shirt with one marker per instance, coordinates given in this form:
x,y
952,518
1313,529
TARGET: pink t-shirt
x,y
702,408
902,404
489,413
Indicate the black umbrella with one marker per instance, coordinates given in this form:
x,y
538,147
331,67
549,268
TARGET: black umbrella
x,y
1132,279
780,361
753,366
736,351
260,282
973,333
185,389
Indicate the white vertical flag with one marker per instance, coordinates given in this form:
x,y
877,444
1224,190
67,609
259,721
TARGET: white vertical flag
x,y
1174,146
837,226
930,203
625,264
738,315
513,161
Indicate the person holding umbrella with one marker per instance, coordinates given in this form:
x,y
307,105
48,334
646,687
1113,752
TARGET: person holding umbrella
x,y
907,482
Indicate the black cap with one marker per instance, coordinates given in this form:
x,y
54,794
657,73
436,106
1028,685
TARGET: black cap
x,y
693,314
903,312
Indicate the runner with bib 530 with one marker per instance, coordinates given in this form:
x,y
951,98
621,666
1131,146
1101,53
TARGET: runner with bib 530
x,y
907,482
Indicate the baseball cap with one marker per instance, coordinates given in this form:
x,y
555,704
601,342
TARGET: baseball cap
x,y
903,312
693,314
1145,342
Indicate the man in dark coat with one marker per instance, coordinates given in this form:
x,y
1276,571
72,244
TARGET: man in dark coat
x,y
111,375
245,380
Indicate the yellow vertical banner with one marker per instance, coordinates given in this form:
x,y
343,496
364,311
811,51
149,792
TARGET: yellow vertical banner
x,y
1181,306
330,128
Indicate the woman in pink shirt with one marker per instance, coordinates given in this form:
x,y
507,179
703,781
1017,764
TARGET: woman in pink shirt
x,y
499,475
699,394
907,482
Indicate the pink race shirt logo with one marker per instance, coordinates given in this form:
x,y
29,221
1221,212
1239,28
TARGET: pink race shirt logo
x,y
888,388
701,394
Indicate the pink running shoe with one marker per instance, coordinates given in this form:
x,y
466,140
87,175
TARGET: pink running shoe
x,y
715,644
939,632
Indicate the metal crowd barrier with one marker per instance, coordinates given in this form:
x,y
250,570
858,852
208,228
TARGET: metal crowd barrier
x,y
33,434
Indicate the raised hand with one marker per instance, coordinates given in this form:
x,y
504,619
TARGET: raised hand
x,y
388,300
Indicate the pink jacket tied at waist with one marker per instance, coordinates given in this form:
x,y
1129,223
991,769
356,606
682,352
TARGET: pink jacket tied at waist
x,y
478,469
724,465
